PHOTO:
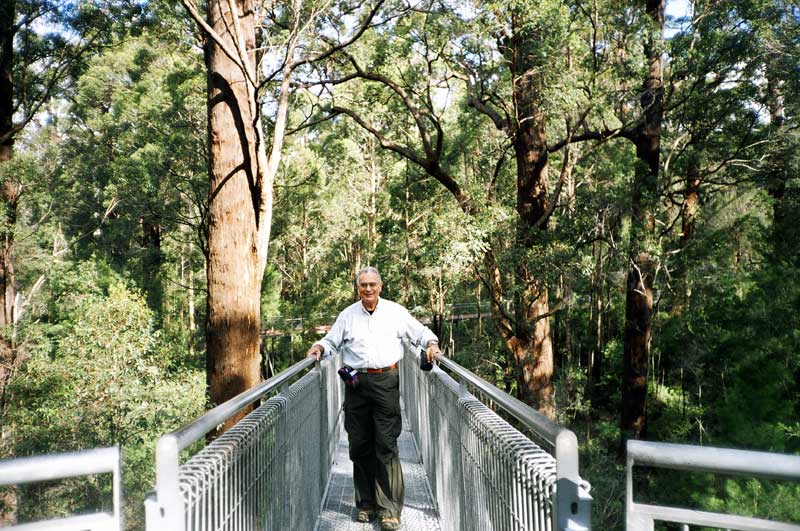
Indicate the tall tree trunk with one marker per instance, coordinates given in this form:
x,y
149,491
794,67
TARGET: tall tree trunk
x,y
372,209
691,200
691,203
777,176
407,241
234,271
9,195
8,198
531,341
151,267
7,16
595,365
187,280
355,266
642,265
9,191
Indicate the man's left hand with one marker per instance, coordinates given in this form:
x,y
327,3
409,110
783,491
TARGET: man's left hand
x,y
433,352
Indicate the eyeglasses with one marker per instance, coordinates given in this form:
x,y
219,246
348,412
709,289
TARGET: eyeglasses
x,y
365,285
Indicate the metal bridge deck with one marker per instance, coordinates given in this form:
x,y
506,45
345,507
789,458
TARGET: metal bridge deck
x,y
419,513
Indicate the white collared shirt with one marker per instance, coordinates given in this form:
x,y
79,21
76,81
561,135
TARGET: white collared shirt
x,y
374,341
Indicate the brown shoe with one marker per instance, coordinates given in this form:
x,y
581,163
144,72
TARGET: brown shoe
x,y
365,515
390,523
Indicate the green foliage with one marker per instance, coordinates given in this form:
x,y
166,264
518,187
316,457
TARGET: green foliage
x,y
97,374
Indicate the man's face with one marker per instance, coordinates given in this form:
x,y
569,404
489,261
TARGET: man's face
x,y
369,287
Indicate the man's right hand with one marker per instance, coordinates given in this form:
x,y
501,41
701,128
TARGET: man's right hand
x,y
315,351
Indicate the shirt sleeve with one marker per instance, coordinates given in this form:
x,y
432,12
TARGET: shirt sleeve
x,y
416,332
335,336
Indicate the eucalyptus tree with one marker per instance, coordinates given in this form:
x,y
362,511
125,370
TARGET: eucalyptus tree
x,y
642,256
252,51
136,146
776,26
701,131
514,65
43,45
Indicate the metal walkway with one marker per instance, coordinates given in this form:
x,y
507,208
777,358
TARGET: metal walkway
x,y
419,512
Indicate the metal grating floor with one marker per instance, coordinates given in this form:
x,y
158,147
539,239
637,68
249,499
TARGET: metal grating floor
x,y
339,513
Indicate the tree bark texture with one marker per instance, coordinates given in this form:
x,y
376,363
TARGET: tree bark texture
x,y
152,261
777,176
234,272
7,31
531,341
642,265
9,198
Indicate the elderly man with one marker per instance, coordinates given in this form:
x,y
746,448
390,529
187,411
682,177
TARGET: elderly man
x,y
368,333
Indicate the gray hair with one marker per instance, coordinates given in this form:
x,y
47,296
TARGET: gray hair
x,y
369,269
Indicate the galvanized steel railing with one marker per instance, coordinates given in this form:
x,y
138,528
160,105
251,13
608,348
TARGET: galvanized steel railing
x,y
485,474
267,472
642,517
68,465
270,470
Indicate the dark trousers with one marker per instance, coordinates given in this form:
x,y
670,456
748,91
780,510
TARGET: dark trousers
x,y
373,423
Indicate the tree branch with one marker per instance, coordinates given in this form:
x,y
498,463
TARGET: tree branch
x,y
192,9
365,25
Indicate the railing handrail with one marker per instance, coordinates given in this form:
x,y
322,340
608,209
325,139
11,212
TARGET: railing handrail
x,y
169,446
641,516
540,424
570,499
58,466
713,459
69,465
563,440
198,428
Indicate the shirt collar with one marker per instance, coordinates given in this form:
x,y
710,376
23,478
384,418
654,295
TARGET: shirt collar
x,y
364,310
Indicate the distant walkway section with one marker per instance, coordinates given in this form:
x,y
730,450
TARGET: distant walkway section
x,y
419,513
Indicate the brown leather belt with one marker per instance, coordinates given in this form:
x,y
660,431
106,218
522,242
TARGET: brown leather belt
x,y
378,371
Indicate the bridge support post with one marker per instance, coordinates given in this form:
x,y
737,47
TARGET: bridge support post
x,y
634,521
465,523
573,503
324,445
167,511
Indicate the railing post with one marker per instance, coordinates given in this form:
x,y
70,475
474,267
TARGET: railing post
x,y
633,520
117,478
463,394
169,511
323,432
573,503
285,511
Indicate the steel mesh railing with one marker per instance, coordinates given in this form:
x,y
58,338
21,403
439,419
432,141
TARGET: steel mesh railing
x,y
484,473
270,470
267,472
